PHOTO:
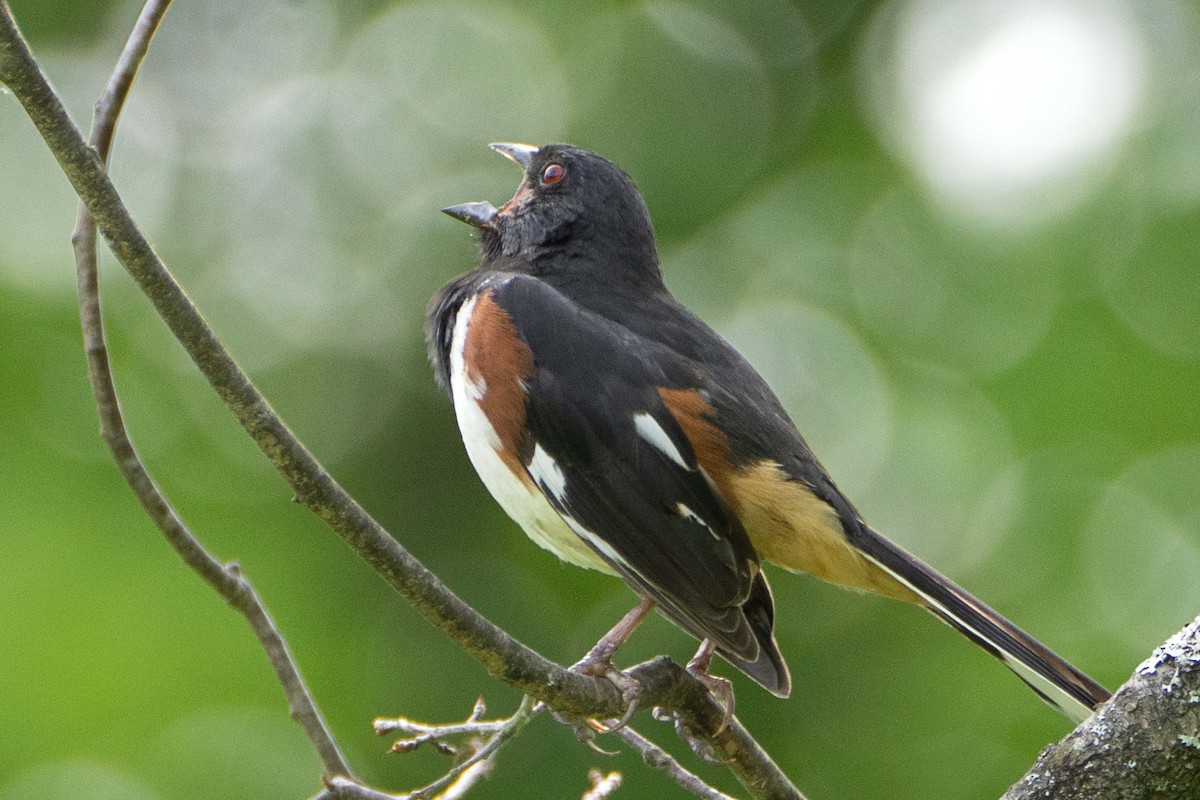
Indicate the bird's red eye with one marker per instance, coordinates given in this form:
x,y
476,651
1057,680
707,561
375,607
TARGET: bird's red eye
x,y
553,173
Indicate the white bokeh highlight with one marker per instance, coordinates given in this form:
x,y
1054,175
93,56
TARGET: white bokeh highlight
x,y
1007,111
1143,548
940,492
827,380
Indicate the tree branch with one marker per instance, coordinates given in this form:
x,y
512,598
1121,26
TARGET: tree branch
x,y
502,655
657,758
500,734
227,580
1144,743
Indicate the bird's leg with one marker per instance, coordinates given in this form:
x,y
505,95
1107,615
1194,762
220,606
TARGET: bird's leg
x,y
598,661
721,688
603,652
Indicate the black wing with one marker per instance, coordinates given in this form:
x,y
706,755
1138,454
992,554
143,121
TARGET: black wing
x,y
613,461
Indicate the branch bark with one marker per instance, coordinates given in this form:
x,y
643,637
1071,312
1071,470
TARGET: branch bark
x,y
1144,743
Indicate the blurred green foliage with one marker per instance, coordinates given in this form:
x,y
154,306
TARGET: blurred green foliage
x,y
983,313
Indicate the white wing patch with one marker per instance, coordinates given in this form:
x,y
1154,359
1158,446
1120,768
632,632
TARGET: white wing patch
x,y
688,514
691,516
547,474
649,429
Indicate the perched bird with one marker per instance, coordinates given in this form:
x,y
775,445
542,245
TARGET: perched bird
x,y
624,435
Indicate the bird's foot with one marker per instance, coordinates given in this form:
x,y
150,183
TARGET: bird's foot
x,y
599,665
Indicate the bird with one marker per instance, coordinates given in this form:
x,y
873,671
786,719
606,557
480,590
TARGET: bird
x,y
624,435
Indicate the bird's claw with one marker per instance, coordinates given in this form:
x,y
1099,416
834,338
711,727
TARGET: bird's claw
x,y
584,732
630,688
722,691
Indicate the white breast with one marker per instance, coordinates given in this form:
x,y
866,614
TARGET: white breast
x,y
525,504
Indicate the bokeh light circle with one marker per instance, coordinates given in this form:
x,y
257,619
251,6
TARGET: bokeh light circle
x,y
63,780
1150,275
1143,549
403,119
789,239
1006,111
702,96
35,229
939,293
937,493
826,379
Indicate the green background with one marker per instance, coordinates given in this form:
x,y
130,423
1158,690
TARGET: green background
x,y
961,241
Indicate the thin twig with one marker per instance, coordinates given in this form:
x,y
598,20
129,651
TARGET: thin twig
x,y
226,580
426,733
463,776
467,780
659,759
602,785
502,735
338,788
666,684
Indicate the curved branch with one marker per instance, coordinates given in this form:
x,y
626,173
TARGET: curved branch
x,y
1147,735
502,655
227,580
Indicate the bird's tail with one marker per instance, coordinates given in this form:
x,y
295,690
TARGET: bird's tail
x,y
1058,683
768,670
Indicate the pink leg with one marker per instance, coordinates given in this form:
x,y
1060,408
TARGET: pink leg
x,y
604,650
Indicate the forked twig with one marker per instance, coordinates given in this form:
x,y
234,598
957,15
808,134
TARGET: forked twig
x,y
501,732
424,733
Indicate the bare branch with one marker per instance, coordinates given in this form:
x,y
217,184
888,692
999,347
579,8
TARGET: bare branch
x,y
1148,735
467,780
659,759
338,788
226,580
425,733
501,734
109,106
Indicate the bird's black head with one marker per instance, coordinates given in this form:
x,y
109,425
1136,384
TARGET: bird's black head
x,y
574,211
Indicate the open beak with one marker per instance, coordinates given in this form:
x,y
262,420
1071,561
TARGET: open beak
x,y
522,154
482,213
479,214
